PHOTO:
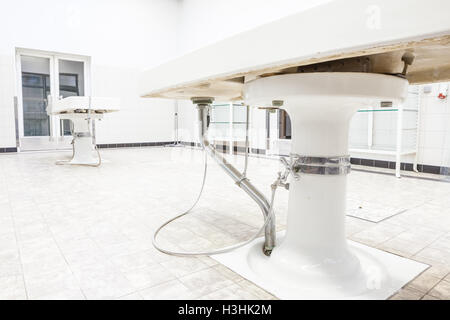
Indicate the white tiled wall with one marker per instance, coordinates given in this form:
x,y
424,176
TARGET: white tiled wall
x,y
434,140
188,125
384,127
433,131
7,127
358,128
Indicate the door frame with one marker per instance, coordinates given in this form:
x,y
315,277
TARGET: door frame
x,y
55,140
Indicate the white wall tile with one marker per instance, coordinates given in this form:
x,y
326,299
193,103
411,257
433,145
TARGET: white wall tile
x,y
433,131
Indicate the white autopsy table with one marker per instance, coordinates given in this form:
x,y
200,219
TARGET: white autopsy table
x,y
81,111
320,65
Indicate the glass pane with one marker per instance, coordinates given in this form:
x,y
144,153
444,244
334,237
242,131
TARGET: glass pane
x,y
239,113
220,113
68,80
220,122
32,80
445,166
35,89
71,78
71,83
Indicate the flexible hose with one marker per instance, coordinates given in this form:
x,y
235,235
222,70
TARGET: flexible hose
x,y
99,158
218,251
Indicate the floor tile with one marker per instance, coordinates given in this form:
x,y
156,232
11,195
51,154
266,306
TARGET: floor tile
x,y
51,284
441,290
181,266
132,261
233,292
407,294
170,290
12,288
54,246
205,281
424,282
148,276
427,297
131,296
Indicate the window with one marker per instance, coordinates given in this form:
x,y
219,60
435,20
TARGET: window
x,y
35,89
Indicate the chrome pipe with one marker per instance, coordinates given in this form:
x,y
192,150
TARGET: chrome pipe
x,y
247,123
240,179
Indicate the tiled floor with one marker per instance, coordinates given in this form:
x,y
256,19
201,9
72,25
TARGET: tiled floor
x,y
85,233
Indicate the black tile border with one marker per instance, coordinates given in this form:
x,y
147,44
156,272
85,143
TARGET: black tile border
x,y
258,151
240,150
8,150
367,162
190,144
381,164
134,145
112,145
356,161
403,166
432,169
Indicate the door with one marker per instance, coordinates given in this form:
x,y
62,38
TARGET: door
x,y
41,75
70,83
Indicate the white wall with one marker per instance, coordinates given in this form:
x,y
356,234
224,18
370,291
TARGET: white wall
x,y
204,22
122,37
187,124
139,120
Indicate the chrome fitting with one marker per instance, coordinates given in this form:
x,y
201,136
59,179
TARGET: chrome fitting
x,y
82,134
239,182
202,101
334,166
